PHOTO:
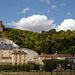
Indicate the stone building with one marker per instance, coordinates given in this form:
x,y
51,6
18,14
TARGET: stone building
x,y
9,55
12,53
2,27
19,57
52,56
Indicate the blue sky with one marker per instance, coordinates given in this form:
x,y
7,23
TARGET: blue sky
x,y
38,15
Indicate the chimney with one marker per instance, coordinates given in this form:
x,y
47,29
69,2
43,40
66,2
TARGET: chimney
x,y
4,43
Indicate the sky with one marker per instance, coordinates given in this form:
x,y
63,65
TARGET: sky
x,y
38,15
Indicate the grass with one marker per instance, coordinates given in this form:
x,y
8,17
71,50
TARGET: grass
x,y
35,73
9,74
39,74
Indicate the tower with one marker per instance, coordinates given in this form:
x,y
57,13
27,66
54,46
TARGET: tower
x,y
2,27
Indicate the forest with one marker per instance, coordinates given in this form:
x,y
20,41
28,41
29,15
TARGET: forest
x,y
46,42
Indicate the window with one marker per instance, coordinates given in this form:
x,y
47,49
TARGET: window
x,y
9,55
16,57
20,54
16,60
24,60
20,61
20,57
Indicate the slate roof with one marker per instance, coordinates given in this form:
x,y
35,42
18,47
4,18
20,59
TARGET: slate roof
x,y
19,52
6,47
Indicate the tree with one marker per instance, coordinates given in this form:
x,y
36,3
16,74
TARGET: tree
x,y
50,65
34,66
63,63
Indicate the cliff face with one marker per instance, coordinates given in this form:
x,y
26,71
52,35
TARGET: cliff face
x,y
30,54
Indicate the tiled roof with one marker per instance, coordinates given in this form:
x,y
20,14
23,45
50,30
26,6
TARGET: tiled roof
x,y
55,55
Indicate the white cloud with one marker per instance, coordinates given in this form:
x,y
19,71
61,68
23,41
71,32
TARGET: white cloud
x,y
62,4
48,11
67,24
53,6
35,23
25,10
48,1
69,13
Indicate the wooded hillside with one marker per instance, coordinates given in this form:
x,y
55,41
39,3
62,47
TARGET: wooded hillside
x,y
46,42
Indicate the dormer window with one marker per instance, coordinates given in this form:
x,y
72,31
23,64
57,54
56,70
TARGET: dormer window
x,y
5,44
1,42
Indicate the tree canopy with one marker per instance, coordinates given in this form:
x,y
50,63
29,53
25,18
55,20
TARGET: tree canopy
x,y
46,42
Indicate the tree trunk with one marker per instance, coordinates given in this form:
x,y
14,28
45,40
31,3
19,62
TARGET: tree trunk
x,y
61,72
51,72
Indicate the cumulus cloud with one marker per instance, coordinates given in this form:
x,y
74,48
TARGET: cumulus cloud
x,y
48,1
68,13
25,10
67,24
35,23
53,6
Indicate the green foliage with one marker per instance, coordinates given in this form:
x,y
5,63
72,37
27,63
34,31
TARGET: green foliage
x,y
20,67
50,65
6,67
74,66
70,50
34,66
46,42
63,63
